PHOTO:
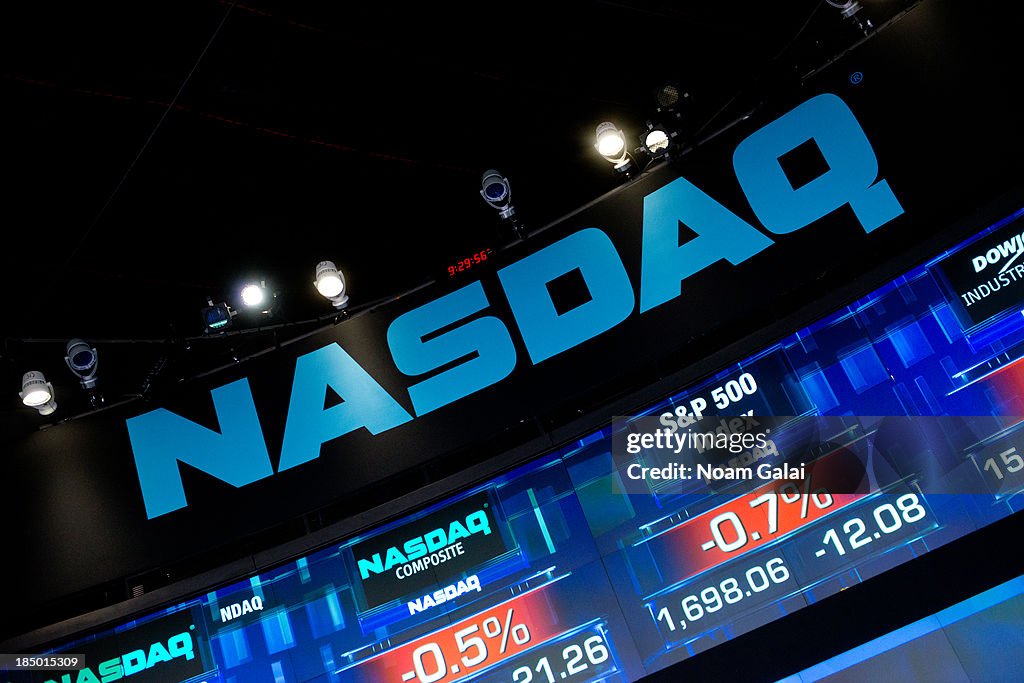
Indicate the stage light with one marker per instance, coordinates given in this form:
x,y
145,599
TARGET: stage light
x,y
668,95
848,8
660,137
497,192
217,317
37,393
656,141
611,144
330,283
83,360
254,294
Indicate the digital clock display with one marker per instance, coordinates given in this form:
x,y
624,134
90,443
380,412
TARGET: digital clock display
x,y
471,261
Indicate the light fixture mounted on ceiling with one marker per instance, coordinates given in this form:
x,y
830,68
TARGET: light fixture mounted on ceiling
x,y
658,140
257,296
850,9
37,393
217,317
83,360
497,192
611,144
330,282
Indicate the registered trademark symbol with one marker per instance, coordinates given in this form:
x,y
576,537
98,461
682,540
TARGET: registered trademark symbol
x,y
856,77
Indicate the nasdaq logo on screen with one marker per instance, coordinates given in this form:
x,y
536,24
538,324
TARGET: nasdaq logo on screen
x,y
430,549
440,550
134,662
446,594
454,351
159,650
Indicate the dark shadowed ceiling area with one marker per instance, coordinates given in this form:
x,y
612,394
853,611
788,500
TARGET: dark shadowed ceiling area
x,y
161,152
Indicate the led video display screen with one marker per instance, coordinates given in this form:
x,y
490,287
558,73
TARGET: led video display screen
x,y
550,573
977,639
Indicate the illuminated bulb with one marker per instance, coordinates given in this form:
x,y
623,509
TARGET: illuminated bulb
x,y
331,283
36,397
37,393
656,141
610,141
252,295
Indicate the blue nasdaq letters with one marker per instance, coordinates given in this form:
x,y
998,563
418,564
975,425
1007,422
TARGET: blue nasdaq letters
x,y
479,352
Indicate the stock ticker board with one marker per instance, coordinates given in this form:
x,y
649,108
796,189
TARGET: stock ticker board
x,y
549,573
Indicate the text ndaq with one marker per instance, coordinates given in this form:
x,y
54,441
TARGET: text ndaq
x,y
237,609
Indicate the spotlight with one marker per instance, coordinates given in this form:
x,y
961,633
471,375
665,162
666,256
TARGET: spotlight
x,y
671,98
253,295
657,140
497,192
37,393
668,95
83,360
217,317
331,283
257,296
611,144
849,9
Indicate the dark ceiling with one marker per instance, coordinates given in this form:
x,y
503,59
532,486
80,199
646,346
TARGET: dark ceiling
x,y
160,152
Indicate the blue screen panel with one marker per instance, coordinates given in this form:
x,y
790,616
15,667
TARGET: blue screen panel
x,y
549,572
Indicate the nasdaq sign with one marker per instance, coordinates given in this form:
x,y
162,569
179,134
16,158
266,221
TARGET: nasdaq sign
x,y
476,351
